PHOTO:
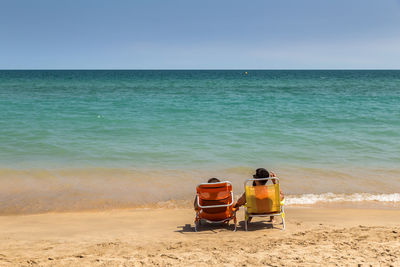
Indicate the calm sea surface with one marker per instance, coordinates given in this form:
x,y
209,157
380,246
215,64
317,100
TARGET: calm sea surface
x,y
201,120
185,119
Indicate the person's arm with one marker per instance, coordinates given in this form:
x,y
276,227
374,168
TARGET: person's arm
x,y
271,174
241,201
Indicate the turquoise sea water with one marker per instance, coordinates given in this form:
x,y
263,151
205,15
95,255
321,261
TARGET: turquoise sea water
x,y
185,119
292,121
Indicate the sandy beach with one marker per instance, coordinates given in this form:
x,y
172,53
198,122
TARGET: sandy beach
x,y
165,237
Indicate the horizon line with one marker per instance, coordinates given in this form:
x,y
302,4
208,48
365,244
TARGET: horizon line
x,y
177,69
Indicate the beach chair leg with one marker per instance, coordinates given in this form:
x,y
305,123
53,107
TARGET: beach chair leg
x,y
196,222
246,218
234,221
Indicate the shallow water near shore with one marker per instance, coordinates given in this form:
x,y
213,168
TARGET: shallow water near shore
x,y
43,190
92,139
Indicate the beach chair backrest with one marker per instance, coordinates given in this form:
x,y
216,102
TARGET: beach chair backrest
x,y
263,198
215,194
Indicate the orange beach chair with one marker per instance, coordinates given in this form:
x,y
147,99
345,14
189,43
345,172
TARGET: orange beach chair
x,y
215,203
263,200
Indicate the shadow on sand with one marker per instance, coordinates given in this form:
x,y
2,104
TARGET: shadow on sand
x,y
206,227
257,225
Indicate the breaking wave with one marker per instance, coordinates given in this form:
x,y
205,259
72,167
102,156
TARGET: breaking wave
x,y
310,199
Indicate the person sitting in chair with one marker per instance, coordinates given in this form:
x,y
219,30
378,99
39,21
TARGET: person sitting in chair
x,y
210,181
260,173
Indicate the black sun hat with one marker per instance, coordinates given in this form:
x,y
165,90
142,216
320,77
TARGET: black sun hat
x,y
261,173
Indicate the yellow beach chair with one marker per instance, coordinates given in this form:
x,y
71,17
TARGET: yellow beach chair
x,y
263,200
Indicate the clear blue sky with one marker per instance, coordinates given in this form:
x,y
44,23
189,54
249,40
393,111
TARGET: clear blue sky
x,y
199,34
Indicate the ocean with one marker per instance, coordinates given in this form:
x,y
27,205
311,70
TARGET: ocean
x,y
97,139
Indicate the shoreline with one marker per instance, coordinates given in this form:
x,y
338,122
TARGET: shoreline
x,y
111,206
306,201
164,236
33,191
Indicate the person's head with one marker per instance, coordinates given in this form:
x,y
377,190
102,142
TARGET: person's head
x,y
260,173
213,180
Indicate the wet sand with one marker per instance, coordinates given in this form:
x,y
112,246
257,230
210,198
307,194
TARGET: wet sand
x,y
165,237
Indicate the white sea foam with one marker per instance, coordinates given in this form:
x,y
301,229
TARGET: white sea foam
x,y
310,199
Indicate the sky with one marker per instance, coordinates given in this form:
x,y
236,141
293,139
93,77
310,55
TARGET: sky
x,y
200,34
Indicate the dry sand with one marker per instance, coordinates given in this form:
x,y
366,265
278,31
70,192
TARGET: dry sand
x,y
314,237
